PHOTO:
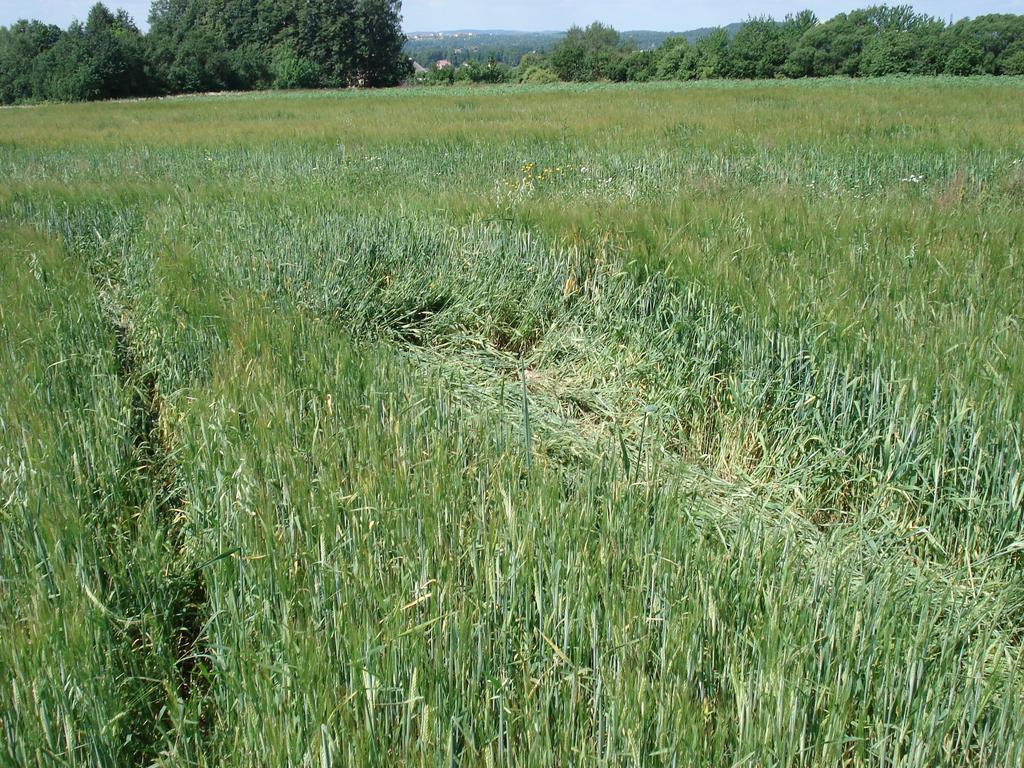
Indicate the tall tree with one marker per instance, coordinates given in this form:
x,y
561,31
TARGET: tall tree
x,y
327,37
587,54
101,59
381,61
992,44
759,49
909,44
19,47
188,52
116,52
713,55
676,60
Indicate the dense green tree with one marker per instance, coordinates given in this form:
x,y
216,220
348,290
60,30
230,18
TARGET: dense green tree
x,y
676,60
827,49
101,59
381,60
875,40
116,52
535,74
290,70
796,25
712,55
1012,60
759,49
327,37
593,53
910,44
967,57
638,67
570,58
799,61
20,46
992,45
212,44
188,53
64,72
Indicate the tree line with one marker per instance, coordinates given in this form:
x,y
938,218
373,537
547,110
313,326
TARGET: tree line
x,y
205,45
871,42
211,45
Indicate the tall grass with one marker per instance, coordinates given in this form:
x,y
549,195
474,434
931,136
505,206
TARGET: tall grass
x,y
769,507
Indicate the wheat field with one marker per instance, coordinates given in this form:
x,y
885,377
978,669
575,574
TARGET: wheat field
x,y
674,424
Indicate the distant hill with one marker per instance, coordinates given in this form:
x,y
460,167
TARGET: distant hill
x,y
648,39
509,46
459,46
696,34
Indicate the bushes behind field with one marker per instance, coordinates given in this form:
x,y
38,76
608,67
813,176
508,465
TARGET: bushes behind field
x,y
866,43
212,45
872,42
205,45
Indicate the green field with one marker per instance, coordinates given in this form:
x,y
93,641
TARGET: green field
x,y
646,425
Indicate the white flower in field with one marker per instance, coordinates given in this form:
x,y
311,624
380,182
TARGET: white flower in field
x,y
913,179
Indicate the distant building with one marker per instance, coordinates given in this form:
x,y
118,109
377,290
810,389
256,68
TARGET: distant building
x,y
443,64
418,68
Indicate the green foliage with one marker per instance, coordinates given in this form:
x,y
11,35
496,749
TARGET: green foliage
x,y
915,50
490,72
105,58
215,45
713,57
20,46
990,45
67,71
326,43
637,67
327,38
291,70
676,60
188,54
759,49
380,59
874,41
441,76
206,45
595,53
535,74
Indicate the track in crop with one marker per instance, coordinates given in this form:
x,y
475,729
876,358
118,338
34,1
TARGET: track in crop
x,y
155,467
165,604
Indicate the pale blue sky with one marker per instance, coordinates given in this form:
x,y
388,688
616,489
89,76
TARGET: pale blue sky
x,y
429,15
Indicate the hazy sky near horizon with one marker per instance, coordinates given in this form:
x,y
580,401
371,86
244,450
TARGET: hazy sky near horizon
x,y
529,15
